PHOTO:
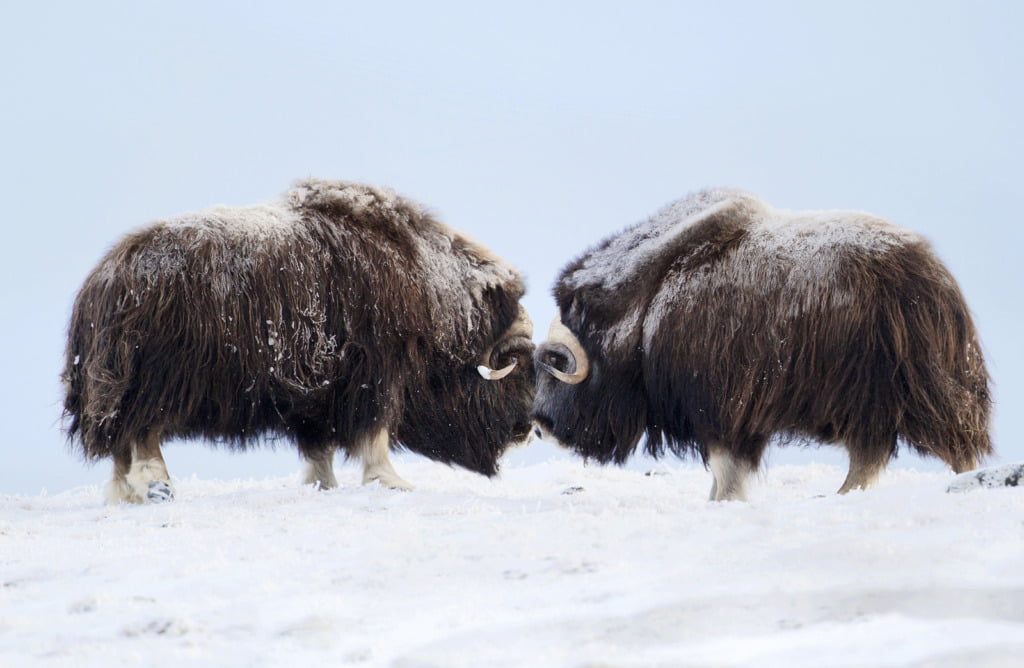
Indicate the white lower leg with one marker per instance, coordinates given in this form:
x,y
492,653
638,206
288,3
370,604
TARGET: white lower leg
x,y
118,490
320,470
376,466
144,479
730,477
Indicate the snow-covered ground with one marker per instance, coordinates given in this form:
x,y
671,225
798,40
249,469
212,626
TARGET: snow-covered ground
x,y
552,564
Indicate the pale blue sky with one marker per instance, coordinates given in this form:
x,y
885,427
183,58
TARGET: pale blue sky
x,y
538,128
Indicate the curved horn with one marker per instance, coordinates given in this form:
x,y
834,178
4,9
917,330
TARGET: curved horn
x,y
495,374
521,327
559,333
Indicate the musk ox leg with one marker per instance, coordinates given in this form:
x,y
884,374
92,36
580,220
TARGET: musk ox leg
x,y
319,468
730,476
866,464
140,475
373,452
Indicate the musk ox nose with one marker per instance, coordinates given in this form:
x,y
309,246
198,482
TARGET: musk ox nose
x,y
537,432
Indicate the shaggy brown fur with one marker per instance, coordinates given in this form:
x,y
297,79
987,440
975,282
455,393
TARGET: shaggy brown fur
x,y
324,317
721,323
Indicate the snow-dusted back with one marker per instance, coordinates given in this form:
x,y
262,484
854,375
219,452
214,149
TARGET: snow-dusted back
x,y
806,239
259,221
796,252
451,268
618,259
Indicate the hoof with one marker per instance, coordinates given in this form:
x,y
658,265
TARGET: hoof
x,y
159,492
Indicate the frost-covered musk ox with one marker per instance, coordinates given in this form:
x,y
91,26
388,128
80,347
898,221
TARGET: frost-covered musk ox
x,y
340,317
721,323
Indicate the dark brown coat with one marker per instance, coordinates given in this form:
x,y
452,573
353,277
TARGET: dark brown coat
x,y
332,313
721,323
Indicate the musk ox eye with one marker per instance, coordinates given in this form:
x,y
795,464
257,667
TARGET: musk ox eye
x,y
508,358
512,352
555,360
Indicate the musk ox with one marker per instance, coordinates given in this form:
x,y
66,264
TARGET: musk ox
x,y
341,317
721,323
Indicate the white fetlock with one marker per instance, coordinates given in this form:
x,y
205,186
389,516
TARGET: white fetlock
x,y
388,479
119,491
730,477
319,472
373,451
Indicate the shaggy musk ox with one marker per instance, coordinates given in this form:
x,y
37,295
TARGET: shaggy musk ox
x,y
721,323
340,317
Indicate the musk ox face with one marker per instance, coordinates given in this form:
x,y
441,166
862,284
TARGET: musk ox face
x,y
584,403
468,414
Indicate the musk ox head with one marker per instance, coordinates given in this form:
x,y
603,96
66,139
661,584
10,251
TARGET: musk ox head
x,y
589,403
469,412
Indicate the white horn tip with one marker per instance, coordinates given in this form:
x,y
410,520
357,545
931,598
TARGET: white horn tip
x,y
485,372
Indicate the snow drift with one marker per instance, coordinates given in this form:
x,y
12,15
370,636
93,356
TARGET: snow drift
x,y
556,564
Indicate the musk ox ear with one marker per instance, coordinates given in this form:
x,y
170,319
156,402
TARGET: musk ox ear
x,y
558,333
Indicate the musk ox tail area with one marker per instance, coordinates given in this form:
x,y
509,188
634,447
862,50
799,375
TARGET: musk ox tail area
x,y
941,382
91,404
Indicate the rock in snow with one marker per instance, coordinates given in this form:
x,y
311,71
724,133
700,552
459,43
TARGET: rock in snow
x,y
1007,475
